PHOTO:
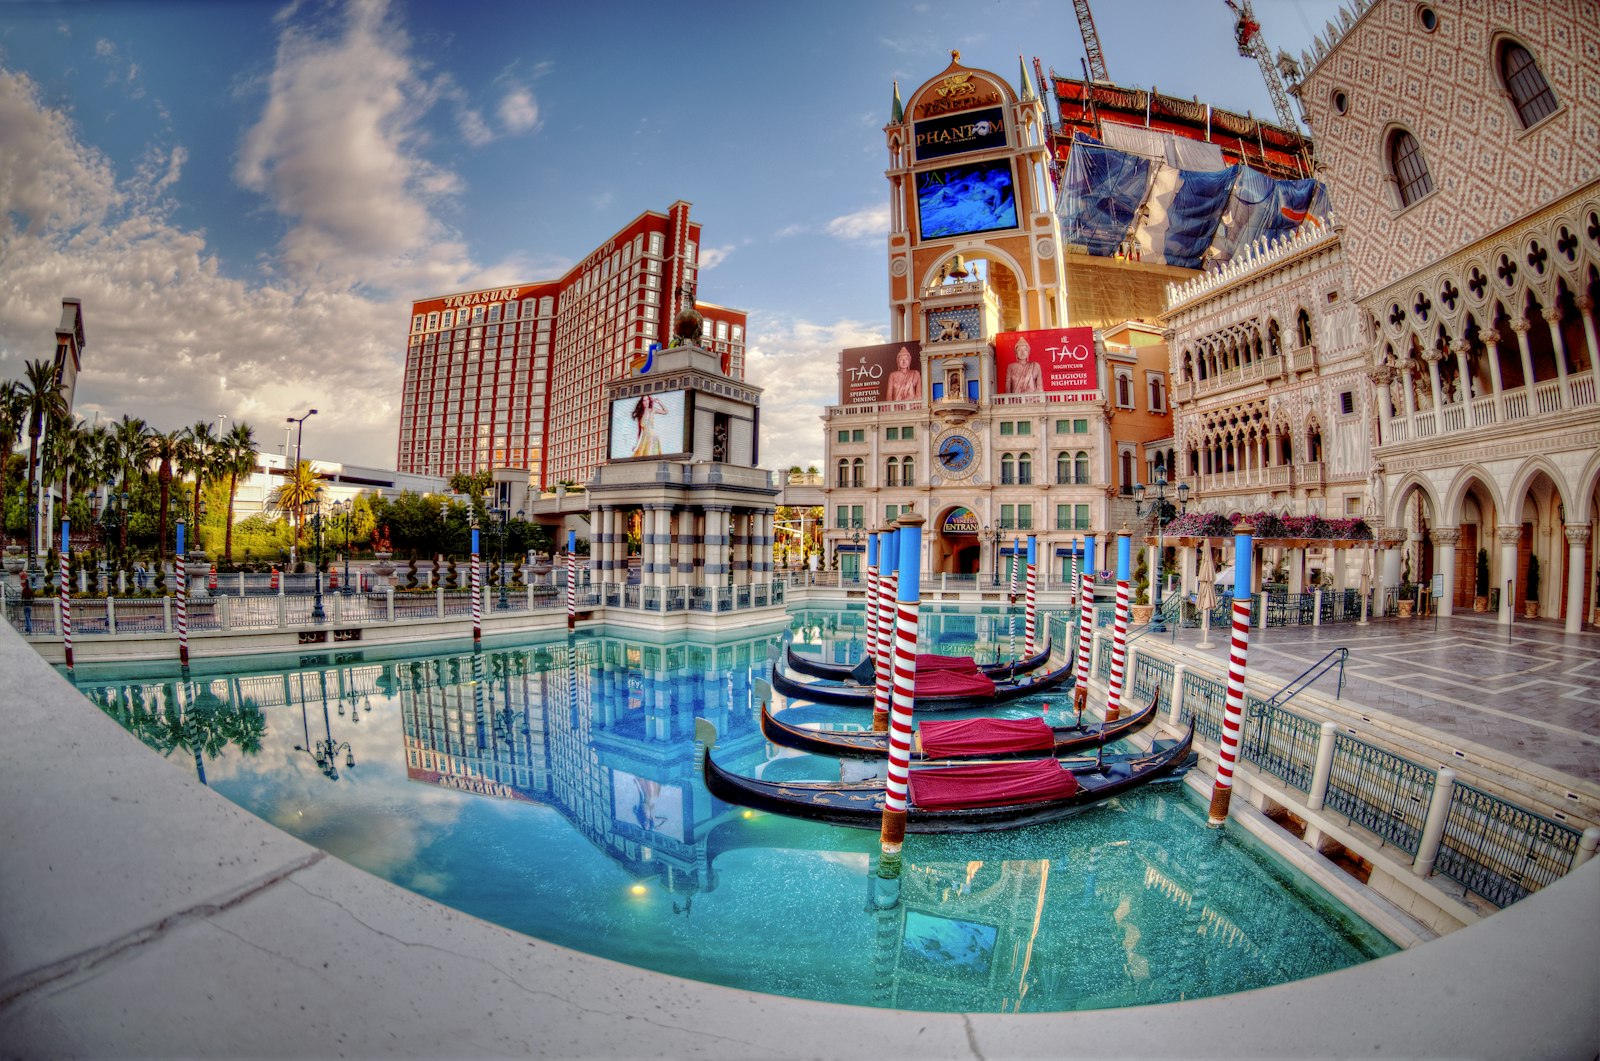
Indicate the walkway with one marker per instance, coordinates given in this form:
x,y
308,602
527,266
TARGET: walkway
x,y
1532,691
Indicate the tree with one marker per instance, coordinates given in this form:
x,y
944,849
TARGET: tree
x,y
165,450
198,458
238,458
130,446
300,489
46,403
13,406
473,484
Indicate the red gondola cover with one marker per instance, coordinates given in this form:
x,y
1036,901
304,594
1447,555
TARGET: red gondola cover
x,y
946,739
929,662
954,683
991,784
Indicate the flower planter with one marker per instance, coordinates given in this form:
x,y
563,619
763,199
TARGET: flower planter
x,y
1480,604
1142,613
1530,609
1405,607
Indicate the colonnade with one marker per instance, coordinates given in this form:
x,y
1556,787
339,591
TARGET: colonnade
x,y
685,545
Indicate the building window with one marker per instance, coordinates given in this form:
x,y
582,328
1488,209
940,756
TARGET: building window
x,y
1302,327
1063,427
1347,402
1081,468
858,435
907,433
858,472
908,471
1409,168
844,473
1063,469
891,433
1524,81
1024,469
1024,427
1007,428
891,472
1008,469
1124,390
1158,395
844,436
842,517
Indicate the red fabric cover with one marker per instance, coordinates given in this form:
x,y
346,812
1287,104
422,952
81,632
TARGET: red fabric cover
x,y
929,662
991,784
953,683
946,738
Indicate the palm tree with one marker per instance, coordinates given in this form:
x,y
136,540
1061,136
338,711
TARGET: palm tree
x,y
12,407
165,450
298,490
130,453
238,458
46,402
198,457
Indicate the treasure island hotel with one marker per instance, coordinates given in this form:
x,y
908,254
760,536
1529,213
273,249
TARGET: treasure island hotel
x,y
511,377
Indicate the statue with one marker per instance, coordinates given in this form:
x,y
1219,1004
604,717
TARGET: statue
x,y
687,328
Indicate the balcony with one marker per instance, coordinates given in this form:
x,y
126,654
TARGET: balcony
x,y
1072,524
1304,358
1017,479
1017,524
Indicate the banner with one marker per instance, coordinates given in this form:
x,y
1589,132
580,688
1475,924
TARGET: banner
x,y
960,521
869,375
1050,361
956,133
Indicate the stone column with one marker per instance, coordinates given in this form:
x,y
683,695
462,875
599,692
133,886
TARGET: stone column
x,y
1577,566
1445,540
1380,377
1552,318
714,549
1434,389
1491,350
1295,558
1186,565
1520,326
1509,537
1464,377
1389,569
1585,306
1407,386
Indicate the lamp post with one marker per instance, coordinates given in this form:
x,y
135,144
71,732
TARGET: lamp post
x,y
1164,513
299,423
993,534
855,543
325,749
317,614
501,515
345,510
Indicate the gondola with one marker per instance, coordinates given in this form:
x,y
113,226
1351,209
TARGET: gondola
x,y
961,798
972,738
936,691
839,672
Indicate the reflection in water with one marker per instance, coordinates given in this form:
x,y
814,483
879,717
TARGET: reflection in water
x,y
600,836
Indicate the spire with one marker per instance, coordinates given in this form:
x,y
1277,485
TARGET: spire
x,y
897,113
1024,80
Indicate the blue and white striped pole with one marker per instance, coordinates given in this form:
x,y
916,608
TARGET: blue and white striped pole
x,y
66,590
1238,653
882,690
872,596
572,579
477,594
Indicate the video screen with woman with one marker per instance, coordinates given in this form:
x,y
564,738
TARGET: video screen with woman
x,y
650,425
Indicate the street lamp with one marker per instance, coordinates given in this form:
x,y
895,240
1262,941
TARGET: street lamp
x,y
855,541
344,510
501,515
317,614
1164,513
993,534
325,749
299,423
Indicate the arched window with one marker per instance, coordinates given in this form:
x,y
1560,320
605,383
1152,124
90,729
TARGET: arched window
x,y
1302,327
844,473
1158,395
1274,344
1409,168
1024,468
1530,92
1063,468
1126,460
891,472
1081,468
1008,468
858,472
908,471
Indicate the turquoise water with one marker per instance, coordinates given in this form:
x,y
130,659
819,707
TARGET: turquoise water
x,y
553,788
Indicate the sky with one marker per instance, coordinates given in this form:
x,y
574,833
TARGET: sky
x,y
247,196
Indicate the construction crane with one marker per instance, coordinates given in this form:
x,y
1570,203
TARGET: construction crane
x,y
1091,41
1047,96
1247,32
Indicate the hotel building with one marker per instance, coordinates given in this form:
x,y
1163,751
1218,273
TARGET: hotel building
x,y
511,377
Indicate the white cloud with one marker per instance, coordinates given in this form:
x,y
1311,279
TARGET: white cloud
x,y
711,257
337,151
870,223
519,111
797,362
104,48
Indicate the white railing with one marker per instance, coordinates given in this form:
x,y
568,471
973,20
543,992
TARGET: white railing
x,y
1580,390
1483,411
1399,431
1424,424
1547,396
1516,404
1453,417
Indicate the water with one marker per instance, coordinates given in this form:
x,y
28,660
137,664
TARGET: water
x,y
552,788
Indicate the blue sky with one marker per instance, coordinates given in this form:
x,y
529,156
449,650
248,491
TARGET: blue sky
x,y
248,195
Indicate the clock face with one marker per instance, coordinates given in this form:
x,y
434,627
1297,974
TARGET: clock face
x,y
955,453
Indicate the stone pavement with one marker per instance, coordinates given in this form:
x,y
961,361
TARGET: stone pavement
x,y
1531,691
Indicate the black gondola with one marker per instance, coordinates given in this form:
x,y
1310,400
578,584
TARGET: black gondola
x,y
839,672
860,804
855,744
861,695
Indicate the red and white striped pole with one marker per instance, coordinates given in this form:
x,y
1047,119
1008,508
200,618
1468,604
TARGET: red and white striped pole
x,y
477,593
888,582
907,603
1080,692
572,579
1016,547
66,590
872,597
183,600
1119,631
1238,653
1030,624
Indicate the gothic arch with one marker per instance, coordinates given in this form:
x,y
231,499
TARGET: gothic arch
x,y
1529,471
1456,494
1579,511
1410,485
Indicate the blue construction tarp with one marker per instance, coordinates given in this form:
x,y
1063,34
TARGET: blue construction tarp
x,y
1101,190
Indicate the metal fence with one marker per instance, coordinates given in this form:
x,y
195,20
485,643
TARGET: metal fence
x,y
1491,846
